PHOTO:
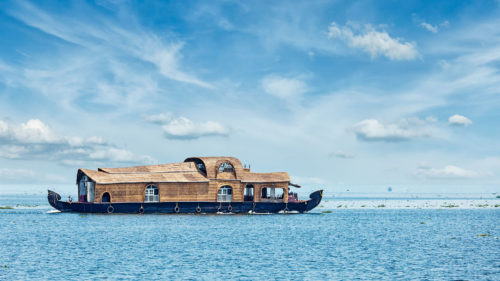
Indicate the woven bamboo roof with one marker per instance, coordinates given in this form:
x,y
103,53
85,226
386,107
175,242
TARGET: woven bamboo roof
x,y
107,178
265,177
179,172
161,168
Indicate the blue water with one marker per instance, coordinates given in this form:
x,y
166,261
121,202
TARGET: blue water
x,y
345,244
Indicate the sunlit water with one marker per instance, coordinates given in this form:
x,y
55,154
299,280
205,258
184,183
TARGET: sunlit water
x,y
345,244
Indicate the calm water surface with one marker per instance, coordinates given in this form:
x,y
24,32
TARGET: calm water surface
x,y
345,244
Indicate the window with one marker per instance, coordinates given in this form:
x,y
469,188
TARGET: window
x,y
152,194
271,193
201,167
225,194
248,193
106,197
226,167
199,164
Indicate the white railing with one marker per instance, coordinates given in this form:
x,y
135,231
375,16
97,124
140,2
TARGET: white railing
x,y
152,198
224,197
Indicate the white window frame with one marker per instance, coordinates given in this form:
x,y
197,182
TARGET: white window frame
x,y
226,167
149,194
223,195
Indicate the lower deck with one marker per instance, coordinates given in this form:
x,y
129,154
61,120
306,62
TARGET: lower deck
x,y
184,207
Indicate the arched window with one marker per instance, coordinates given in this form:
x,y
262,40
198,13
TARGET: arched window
x,y
201,167
106,197
226,167
199,164
225,194
152,194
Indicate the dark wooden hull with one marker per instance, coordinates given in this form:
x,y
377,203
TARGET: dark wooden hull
x,y
184,207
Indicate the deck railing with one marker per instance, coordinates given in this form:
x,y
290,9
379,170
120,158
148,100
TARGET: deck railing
x,y
152,198
224,198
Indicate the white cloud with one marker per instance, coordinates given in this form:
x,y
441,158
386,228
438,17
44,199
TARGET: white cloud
x,y
36,140
32,132
448,172
284,88
167,58
373,130
117,155
374,42
183,128
429,27
459,120
433,28
35,131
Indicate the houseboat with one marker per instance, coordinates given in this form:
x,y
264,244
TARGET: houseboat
x,y
197,185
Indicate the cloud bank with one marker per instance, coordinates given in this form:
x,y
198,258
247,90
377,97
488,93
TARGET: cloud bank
x,y
36,140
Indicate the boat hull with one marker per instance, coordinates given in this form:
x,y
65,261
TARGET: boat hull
x,y
184,207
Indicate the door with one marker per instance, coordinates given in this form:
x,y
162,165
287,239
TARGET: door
x,y
248,193
90,191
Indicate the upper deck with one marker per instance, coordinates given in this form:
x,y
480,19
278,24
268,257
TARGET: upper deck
x,y
193,169
195,179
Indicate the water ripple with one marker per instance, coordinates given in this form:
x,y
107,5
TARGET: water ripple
x,y
343,245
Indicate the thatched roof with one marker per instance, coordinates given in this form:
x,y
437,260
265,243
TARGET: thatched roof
x,y
265,177
179,172
162,168
107,178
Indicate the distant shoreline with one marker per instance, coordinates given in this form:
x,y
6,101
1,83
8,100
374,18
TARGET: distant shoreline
x,y
408,203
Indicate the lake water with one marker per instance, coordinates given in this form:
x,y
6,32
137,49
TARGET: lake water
x,y
345,244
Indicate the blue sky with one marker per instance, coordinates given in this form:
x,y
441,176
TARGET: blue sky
x,y
357,95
